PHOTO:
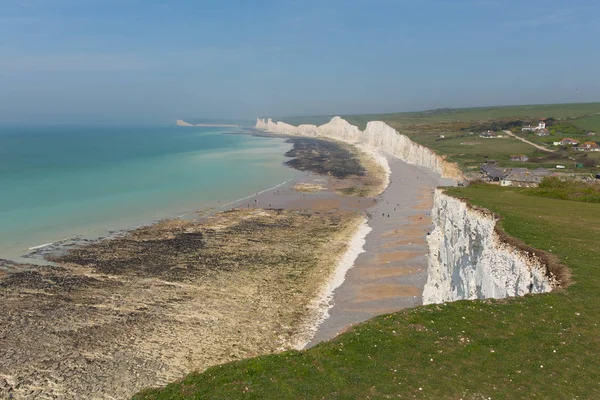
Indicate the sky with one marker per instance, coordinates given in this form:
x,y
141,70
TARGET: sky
x,y
154,61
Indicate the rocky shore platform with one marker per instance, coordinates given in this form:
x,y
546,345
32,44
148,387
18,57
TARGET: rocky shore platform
x,y
110,317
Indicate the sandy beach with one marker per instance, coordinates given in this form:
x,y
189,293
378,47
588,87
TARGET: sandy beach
x,y
391,273
145,307
285,268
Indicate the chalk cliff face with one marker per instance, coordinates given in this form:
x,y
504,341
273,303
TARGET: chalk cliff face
x,y
378,135
181,122
468,260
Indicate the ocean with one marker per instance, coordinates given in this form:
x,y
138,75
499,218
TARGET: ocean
x,y
61,182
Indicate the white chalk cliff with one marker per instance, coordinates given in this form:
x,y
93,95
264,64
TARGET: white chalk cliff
x,y
468,259
377,135
181,122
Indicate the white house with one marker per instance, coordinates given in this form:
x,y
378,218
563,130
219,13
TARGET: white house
x,y
488,135
566,142
588,146
541,126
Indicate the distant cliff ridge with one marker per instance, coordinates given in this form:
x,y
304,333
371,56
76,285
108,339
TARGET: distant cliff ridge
x,y
468,259
378,135
181,122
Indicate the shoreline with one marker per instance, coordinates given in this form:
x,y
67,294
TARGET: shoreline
x,y
37,253
147,296
390,272
323,302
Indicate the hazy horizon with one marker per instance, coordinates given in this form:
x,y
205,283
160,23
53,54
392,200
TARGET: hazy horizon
x,y
91,61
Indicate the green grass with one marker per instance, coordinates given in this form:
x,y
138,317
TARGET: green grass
x,y
476,114
589,124
555,188
542,346
426,127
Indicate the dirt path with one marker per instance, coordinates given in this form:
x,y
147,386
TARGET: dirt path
x,y
537,146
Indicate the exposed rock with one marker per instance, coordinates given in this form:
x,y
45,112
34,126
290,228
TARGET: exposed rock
x,y
377,135
469,260
158,302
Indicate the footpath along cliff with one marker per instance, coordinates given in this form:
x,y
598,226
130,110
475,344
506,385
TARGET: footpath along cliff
x,y
468,259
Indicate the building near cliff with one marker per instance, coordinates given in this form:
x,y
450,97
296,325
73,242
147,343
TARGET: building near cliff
x,y
521,180
488,135
541,126
467,258
518,177
587,147
567,142
492,173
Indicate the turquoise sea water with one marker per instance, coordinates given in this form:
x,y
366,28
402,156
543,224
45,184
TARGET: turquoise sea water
x,y
61,182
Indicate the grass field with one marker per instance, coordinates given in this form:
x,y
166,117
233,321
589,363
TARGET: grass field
x,y
589,123
541,346
469,151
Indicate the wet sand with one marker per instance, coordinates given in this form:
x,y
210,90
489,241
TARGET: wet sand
x,y
391,273
148,306
121,316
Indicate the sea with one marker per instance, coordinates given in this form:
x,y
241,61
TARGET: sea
x,y
63,182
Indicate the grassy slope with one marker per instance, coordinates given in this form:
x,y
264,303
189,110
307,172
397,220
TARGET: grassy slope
x,y
543,346
470,151
428,127
589,123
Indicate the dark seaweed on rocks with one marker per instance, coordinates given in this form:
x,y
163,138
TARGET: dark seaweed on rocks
x,y
165,255
155,303
324,157
178,251
51,279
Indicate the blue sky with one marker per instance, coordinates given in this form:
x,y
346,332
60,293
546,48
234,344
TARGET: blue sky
x,y
155,61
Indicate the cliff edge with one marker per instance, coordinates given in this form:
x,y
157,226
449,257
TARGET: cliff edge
x,y
469,260
377,135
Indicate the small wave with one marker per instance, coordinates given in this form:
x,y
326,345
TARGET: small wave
x,y
256,194
40,246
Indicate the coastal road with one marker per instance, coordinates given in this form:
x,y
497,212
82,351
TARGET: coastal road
x,y
537,146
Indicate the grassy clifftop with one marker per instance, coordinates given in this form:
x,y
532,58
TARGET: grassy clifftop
x,y
542,346
447,131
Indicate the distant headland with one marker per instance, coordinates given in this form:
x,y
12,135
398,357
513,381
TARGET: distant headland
x,y
181,122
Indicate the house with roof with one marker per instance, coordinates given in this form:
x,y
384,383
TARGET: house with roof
x,y
521,177
519,157
488,135
567,142
492,173
541,172
541,126
587,147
